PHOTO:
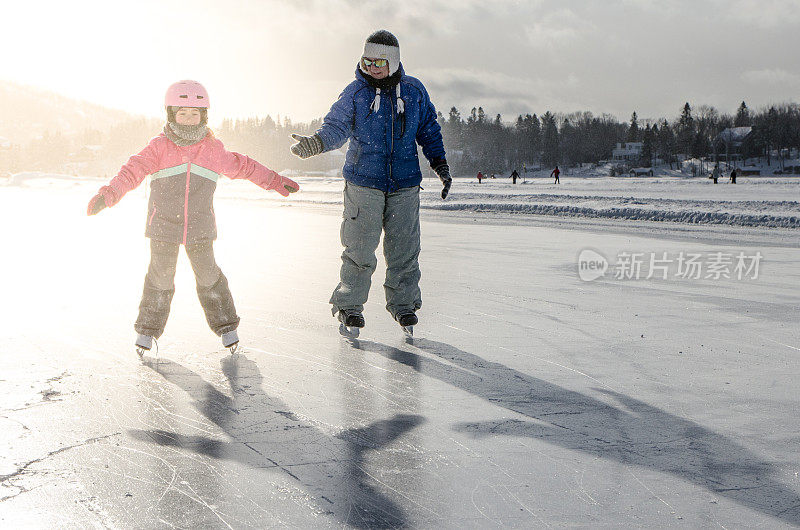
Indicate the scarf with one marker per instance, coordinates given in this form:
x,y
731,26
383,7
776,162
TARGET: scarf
x,y
184,135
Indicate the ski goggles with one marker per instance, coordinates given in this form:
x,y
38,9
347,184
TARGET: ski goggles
x,y
378,63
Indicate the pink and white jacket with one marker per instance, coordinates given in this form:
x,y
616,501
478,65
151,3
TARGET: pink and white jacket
x,y
183,182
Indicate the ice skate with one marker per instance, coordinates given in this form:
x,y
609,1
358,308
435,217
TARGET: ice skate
x,y
351,323
230,340
144,343
407,321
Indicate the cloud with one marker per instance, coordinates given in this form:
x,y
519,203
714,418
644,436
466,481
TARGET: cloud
x,y
772,76
294,57
764,14
558,28
509,95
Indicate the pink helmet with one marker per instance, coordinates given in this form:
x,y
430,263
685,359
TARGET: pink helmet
x,y
186,93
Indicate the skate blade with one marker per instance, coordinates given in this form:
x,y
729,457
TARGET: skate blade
x,y
234,348
349,332
409,331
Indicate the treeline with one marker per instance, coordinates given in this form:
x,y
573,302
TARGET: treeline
x,y
475,143
480,143
101,153
268,141
91,153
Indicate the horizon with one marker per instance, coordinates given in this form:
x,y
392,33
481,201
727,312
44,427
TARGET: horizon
x,y
507,119
270,58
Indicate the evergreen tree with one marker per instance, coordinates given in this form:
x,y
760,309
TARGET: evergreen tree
x,y
569,143
686,130
526,140
633,129
498,143
666,142
742,116
550,147
534,139
647,147
452,132
656,134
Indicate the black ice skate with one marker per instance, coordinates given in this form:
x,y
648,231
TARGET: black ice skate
x,y
351,322
407,321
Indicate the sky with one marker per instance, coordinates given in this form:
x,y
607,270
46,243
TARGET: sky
x,y
293,58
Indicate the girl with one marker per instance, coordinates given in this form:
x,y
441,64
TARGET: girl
x,y
185,161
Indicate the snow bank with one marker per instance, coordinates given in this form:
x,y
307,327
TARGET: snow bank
x,y
756,203
634,214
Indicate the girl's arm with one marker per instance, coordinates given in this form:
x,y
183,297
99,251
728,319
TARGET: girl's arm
x,y
238,166
130,175
133,172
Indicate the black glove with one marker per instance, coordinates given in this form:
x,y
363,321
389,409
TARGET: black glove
x,y
443,171
307,146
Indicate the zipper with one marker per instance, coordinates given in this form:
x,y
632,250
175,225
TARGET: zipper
x,y
391,145
152,215
186,202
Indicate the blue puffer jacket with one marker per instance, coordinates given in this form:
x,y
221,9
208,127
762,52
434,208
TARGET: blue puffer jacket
x,y
383,145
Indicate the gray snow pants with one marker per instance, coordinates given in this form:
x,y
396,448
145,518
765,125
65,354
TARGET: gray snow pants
x,y
367,213
159,286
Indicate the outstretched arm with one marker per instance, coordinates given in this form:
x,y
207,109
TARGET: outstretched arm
x,y
335,131
129,177
239,166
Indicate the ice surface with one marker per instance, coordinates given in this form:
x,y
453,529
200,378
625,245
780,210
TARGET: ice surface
x,y
528,398
765,202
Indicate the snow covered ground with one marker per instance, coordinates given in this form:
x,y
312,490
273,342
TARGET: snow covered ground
x,y
529,398
764,202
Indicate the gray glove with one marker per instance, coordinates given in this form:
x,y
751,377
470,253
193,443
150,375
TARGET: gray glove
x,y
443,171
307,146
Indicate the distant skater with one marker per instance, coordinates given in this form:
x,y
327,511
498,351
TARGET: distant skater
x,y
514,176
555,174
480,177
715,174
733,176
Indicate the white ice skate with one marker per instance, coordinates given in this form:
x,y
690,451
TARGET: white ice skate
x,y
230,340
144,343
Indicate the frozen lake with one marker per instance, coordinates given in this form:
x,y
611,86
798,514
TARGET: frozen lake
x,y
529,397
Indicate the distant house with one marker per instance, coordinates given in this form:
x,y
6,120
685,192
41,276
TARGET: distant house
x,y
732,143
627,152
749,171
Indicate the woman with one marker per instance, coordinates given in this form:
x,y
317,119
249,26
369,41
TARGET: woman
x,y
385,114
